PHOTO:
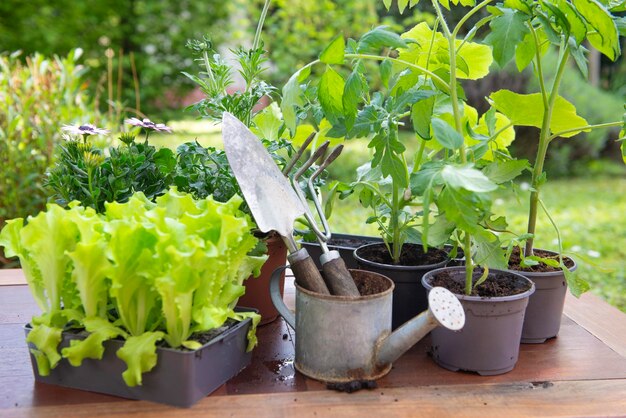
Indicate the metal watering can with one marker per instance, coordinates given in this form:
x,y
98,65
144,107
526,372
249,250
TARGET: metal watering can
x,y
342,339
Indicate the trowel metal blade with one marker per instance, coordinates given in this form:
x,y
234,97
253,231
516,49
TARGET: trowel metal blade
x,y
272,201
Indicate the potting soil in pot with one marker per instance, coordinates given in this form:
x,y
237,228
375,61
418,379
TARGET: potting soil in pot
x,y
515,262
503,284
411,255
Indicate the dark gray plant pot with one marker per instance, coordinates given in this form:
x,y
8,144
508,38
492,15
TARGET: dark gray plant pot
x,y
545,306
345,251
489,342
409,296
180,378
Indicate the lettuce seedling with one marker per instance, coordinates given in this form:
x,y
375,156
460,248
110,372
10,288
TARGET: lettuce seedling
x,y
142,271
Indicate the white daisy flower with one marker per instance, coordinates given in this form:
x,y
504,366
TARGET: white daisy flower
x,y
84,130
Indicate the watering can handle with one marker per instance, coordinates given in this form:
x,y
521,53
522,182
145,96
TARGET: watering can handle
x,y
277,298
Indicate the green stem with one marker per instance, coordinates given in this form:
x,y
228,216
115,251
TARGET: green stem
x,y
379,58
399,61
207,65
418,156
556,228
542,84
467,247
544,141
259,27
469,14
90,185
397,249
587,127
469,263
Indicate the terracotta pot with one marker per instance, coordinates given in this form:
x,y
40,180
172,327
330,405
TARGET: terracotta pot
x,y
489,342
257,294
409,296
545,306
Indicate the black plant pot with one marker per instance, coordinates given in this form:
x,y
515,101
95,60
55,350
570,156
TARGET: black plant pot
x,y
545,306
489,342
180,378
409,296
344,243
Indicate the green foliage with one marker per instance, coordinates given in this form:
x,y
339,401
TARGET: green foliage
x,y
36,97
206,171
296,31
144,271
155,31
217,75
127,169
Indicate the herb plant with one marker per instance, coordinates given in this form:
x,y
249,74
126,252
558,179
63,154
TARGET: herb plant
x,y
142,271
217,75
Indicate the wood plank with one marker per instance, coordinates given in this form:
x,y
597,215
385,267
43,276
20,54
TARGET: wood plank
x,y
10,277
577,398
599,318
17,305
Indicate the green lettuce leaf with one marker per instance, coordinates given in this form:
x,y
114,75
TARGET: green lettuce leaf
x,y
91,347
139,354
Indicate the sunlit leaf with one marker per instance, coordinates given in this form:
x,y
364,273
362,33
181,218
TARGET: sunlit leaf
x,y
432,52
334,52
527,110
604,36
329,93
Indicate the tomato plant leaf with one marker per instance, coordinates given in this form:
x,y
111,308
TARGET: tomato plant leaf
x,y
421,115
502,171
507,32
330,94
522,109
604,36
468,178
446,135
379,38
385,72
351,94
292,97
334,52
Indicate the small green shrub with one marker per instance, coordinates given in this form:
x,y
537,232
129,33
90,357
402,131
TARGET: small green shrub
x,y
36,97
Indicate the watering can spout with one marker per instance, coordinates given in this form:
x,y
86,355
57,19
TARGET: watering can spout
x,y
444,309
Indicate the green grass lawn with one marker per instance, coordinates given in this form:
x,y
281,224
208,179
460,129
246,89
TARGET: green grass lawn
x,y
589,212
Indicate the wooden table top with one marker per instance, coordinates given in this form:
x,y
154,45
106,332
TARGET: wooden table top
x,y
580,373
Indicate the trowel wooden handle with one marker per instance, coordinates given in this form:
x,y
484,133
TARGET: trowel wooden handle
x,y
306,273
338,278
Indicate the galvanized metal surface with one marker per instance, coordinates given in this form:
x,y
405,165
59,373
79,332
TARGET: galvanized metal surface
x,y
342,339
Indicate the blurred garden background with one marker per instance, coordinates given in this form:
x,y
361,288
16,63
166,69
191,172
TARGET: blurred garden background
x,y
69,62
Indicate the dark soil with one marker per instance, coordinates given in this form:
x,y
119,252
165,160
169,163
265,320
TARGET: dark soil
x,y
206,336
411,255
368,284
353,386
497,284
347,242
515,260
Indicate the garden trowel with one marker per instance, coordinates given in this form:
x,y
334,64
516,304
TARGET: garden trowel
x,y
274,203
